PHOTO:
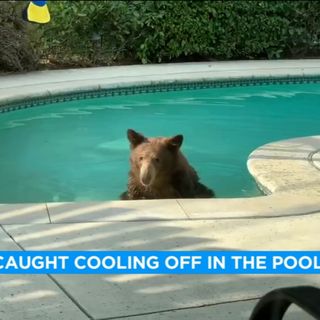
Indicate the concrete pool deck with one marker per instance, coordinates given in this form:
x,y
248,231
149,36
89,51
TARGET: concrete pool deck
x,y
288,218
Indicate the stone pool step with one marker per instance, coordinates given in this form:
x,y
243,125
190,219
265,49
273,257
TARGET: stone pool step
x,y
287,166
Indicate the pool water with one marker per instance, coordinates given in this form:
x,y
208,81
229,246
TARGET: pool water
x,y
78,151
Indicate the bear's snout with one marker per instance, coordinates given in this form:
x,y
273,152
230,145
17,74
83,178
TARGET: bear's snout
x,y
147,174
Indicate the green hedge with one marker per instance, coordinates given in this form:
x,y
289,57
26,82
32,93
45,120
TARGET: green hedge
x,y
229,29
68,37
162,31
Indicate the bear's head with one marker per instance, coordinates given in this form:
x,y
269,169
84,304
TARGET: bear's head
x,y
153,159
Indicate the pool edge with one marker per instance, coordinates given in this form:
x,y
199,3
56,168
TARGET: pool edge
x,y
283,201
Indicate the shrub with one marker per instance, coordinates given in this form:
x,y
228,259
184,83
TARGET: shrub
x,y
16,52
69,36
228,29
107,32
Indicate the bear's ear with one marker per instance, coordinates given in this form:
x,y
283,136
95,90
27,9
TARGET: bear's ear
x,y
175,142
135,138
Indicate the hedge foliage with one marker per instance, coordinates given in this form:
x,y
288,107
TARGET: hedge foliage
x,y
69,35
107,32
229,29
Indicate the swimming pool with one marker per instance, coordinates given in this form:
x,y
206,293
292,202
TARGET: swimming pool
x,y
77,150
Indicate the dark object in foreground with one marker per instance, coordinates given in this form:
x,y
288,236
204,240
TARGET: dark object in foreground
x,y
159,170
274,304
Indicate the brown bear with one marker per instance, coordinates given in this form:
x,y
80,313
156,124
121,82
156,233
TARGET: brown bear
x,y
159,170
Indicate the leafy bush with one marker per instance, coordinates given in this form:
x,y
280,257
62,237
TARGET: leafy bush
x,y
74,25
229,29
107,32
16,52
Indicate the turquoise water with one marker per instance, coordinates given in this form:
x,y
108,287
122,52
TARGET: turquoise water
x,y
77,151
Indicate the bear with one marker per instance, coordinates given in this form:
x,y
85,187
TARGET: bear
x,y
159,170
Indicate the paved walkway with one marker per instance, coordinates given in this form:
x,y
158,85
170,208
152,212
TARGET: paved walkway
x,y
220,297
235,224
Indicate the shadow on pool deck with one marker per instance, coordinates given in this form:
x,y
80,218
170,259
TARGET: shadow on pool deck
x,y
109,296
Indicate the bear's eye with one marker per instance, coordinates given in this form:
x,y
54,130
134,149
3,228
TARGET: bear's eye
x,y
141,158
157,159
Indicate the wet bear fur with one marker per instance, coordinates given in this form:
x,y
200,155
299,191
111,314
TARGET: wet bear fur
x,y
159,170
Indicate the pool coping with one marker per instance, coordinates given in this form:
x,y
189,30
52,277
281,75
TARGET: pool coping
x,y
294,192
